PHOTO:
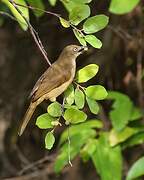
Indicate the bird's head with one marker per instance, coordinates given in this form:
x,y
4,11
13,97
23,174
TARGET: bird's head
x,y
74,50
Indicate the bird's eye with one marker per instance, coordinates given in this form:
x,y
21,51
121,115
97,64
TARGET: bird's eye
x,y
75,49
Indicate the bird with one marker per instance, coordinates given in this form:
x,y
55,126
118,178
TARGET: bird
x,y
54,81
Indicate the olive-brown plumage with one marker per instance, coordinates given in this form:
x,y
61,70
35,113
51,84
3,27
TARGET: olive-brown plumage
x,y
54,81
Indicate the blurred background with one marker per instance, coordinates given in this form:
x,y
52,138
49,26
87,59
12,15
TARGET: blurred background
x,y
120,60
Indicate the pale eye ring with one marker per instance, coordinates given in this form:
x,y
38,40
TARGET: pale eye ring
x,y
75,49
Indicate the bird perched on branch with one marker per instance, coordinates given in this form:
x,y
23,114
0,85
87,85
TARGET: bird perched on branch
x,y
54,81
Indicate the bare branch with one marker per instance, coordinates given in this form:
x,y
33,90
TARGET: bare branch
x,y
37,9
34,34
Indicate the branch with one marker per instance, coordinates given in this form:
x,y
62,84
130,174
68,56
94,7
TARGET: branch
x,y
8,15
34,34
120,33
139,75
37,9
37,163
33,175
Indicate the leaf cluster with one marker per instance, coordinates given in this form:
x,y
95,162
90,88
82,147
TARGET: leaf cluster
x,y
88,139
76,97
78,12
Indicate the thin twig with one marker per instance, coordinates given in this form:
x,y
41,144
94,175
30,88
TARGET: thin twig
x,y
47,12
139,76
35,174
119,32
37,9
106,122
34,164
69,142
8,15
34,34
69,148
48,169
79,86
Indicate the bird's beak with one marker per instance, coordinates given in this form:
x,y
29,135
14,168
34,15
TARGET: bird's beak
x,y
82,49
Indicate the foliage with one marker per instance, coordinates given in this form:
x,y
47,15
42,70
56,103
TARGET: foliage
x,y
72,110
87,136
122,6
78,11
49,140
123,110
107,147
103,158
86,73
17,15
136,170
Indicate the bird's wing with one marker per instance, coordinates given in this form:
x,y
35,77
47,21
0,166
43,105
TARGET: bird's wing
x,y
53,77
36,86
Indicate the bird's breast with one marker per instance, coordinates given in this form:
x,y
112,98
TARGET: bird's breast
x,y
73,70
59,90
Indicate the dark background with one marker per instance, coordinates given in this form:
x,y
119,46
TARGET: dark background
x,y
21,64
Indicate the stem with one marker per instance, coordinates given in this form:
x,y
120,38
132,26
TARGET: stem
x,y
8,15
47,12
69,148
34,34
37,9
120,33
80,31
139,78
79,86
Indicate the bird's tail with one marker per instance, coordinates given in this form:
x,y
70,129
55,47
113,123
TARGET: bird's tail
x,y
27,117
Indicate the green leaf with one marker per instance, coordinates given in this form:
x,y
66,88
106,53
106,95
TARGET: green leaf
x,y
107,160
94,41
69,95
84,127
118,137
86,73
81,1
37,4
121,110
136,114
71,4
122,6
136,170
79,37
79,13
79,98
62,158
17,15
75,147
49,140
93,123
64,22
93,105
23,10
52,2
74,131
89,149
134,140
96,92
74,116
95,24
67,106
44,121
55,109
